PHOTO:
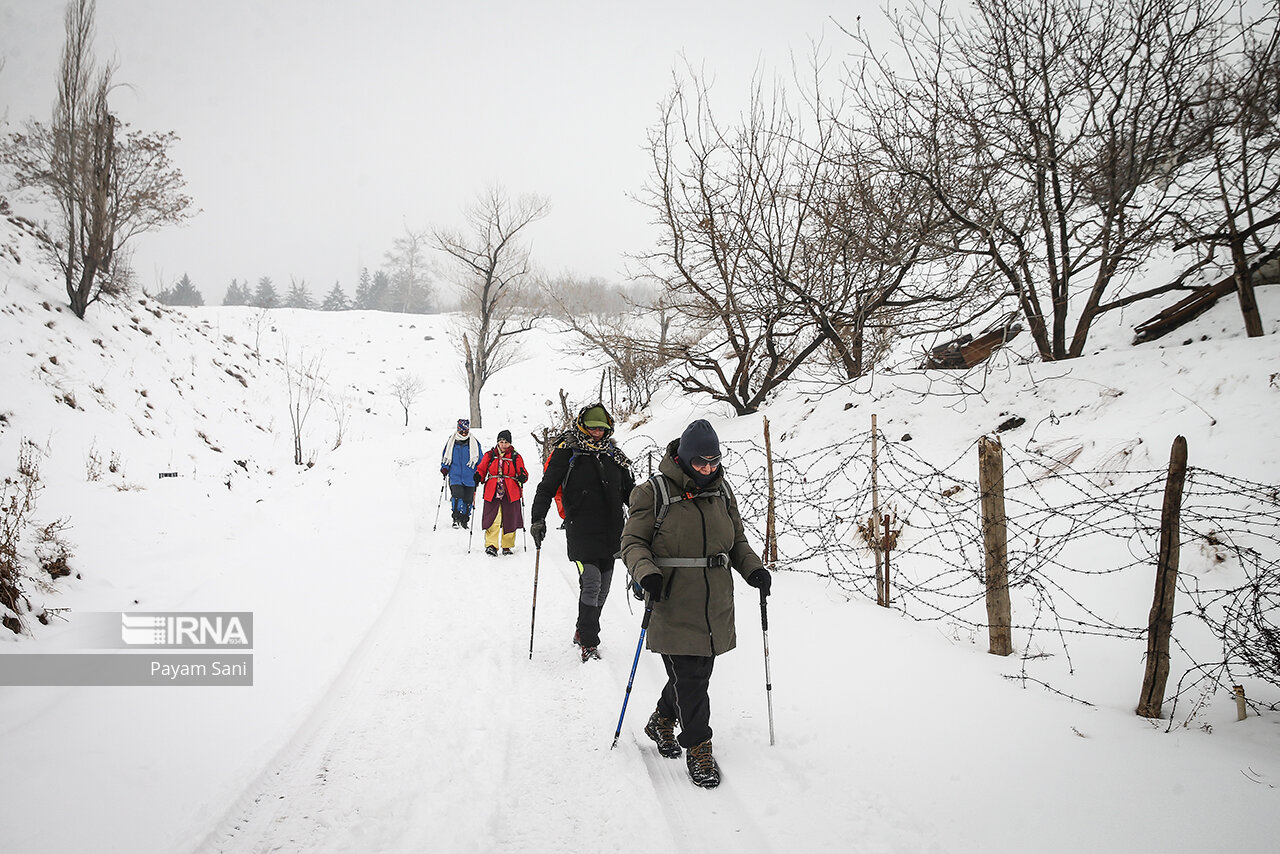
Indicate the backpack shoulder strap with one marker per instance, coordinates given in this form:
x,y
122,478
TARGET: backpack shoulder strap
x,y
573,458
662,500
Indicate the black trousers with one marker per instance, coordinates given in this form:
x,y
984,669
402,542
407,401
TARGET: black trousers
x,y
684,697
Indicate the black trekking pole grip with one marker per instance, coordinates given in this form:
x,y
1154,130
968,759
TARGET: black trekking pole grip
x,y
644,627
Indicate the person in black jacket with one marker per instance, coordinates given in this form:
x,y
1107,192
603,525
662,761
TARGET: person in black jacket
x,y
597,483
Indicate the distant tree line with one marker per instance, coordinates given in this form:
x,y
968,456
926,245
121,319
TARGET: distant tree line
x,y
404,284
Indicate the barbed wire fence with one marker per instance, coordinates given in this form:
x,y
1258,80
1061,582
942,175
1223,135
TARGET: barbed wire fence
x,y
1082,550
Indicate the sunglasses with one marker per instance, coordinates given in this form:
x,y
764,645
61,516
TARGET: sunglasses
x,y
701,463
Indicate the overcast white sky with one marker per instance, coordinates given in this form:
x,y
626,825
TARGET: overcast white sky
x,y
313,131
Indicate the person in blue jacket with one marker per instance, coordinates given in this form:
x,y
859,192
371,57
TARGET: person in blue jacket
x,y
458,463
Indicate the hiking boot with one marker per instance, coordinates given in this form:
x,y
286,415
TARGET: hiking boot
x,y
577,638
590,652
703,770
491,551
507,552
663,732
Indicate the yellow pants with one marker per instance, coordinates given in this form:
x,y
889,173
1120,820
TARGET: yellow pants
x,y
494,532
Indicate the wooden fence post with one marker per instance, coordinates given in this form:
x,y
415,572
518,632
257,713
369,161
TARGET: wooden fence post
x,y
770,528
995,545
874,523
1160,621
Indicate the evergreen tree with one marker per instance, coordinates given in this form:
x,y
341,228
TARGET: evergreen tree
x,y
237,294
364,291
183,293
299,296
381,289
336,300
265,296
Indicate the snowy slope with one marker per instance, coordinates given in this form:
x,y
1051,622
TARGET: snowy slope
x,y
395,706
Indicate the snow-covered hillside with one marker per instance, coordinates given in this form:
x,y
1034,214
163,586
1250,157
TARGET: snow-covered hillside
x,y
395,705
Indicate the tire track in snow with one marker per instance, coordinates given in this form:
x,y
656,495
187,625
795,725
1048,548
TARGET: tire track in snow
x,y
440,734
299,801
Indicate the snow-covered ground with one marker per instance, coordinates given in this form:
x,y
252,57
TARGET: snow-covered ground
x,y
395,705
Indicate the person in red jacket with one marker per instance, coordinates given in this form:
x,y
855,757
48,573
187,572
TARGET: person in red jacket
x,y
502,472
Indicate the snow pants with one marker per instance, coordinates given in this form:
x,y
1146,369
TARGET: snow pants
x,y
684,698
463,497
593,588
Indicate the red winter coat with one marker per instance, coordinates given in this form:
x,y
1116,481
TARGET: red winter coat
x,y
507,469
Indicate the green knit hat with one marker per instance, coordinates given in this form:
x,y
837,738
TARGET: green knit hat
x,y
596,416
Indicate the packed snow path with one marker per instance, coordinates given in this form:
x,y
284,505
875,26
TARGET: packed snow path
x,y
442,735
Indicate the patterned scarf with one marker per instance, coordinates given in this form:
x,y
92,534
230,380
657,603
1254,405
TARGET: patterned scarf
x,y
575,439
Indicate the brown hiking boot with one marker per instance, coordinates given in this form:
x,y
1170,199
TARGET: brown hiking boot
x,y
663,732
703,769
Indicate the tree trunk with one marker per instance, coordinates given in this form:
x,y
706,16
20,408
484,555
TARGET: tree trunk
x,y
770,526
473,389
1244,291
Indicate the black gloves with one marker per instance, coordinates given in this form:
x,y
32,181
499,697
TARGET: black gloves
x,y
444,471
478,477
652,584
761,580
538,530
522,477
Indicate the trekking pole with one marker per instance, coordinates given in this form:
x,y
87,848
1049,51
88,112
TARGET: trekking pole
x,y
768,679
472,526
444,482
644,626
533,616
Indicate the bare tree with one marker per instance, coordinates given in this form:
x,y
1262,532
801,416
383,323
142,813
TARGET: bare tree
x,y
342,406
1233,192
629,339
1046,129
876,264
304,383
783,242
726,240
406,390
493,265
107,189
407,269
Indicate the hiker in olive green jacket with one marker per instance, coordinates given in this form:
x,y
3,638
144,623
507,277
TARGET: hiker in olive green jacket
x,y
685,563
